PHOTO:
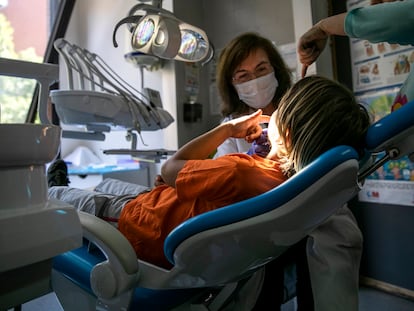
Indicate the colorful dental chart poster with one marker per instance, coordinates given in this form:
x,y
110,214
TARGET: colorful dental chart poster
x,y
379,70
392,183
378,65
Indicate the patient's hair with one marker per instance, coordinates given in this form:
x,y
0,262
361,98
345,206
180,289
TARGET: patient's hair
x,y
315,115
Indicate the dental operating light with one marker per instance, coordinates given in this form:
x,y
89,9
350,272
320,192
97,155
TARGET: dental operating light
x,y
161,34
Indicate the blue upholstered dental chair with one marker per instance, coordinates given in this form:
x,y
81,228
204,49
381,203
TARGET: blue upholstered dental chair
x,y
214,253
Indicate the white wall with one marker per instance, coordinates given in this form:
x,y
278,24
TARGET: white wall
x,y
93,22
226,19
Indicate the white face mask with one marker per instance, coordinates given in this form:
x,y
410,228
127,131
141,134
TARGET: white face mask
x,y
258,93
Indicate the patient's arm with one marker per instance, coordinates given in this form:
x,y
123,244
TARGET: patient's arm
x,y
247,127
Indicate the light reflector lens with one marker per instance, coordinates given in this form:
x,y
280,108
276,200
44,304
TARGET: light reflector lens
x,y
193,45
144,32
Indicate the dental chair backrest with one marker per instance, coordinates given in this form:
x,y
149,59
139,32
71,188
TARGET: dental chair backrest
x,y
226,245
229,243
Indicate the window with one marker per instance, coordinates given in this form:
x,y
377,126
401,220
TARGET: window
x,y
27,32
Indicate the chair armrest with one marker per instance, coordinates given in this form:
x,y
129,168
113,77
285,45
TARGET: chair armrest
x,y
120,272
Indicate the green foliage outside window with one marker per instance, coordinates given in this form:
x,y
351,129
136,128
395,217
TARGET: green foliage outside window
x,y
15,93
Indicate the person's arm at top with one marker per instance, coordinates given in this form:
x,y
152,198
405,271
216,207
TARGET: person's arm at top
x,y
247,127
312,43
382,1
391,22
387,22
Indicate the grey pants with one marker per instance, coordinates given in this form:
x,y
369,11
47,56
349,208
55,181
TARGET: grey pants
x,y
105,201
334,252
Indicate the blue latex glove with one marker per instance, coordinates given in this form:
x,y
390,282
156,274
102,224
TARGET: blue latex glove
x,y
260,146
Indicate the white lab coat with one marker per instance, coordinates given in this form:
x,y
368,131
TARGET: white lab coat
x,y
232,145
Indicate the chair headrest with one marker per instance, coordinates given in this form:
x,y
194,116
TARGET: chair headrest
x,y
387,131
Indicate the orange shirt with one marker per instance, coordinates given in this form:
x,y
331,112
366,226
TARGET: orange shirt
x,y
201,186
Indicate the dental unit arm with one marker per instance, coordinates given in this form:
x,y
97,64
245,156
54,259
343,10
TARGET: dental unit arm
x,y
100,100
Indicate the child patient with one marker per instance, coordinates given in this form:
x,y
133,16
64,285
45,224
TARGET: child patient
x,y
315,115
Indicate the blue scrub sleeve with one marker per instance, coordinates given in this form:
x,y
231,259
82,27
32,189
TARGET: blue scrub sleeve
x,y
388,22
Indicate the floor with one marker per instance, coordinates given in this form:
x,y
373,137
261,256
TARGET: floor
x,y
370,300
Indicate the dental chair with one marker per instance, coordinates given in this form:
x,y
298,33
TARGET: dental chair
x,y
216,253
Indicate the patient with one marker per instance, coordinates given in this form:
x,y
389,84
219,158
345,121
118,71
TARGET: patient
x,y
315,115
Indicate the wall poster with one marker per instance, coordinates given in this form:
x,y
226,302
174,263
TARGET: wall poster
x,y
378,71
393,182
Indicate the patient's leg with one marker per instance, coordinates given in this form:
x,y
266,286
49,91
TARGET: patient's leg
x,y
118,187
107,203
105,206
83,200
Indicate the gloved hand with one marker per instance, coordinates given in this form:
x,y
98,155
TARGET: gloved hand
x,y
260,146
